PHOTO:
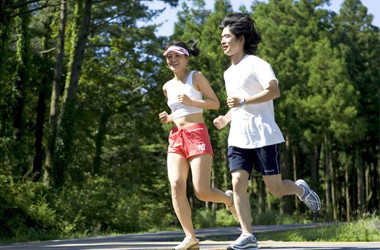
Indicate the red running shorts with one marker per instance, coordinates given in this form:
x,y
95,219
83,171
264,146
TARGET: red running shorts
x,y
190,141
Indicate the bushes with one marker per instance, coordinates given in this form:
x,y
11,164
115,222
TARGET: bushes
x,y
100,205
274,217
31,211
204,218
25,211
97,205
225,219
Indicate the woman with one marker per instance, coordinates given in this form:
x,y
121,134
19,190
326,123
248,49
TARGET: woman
x,y
188,93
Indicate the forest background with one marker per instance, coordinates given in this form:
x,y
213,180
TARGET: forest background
x,y
82,150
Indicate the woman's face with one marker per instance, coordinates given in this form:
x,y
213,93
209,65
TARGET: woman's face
x,y
230,44
176,62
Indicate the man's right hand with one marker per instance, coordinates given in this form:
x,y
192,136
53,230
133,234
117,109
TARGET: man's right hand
x,y
220,122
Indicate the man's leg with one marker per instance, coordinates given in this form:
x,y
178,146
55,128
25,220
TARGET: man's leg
x,y
241,199
267,160
279,187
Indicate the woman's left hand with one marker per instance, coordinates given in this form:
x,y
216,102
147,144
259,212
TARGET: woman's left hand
x,y
184,99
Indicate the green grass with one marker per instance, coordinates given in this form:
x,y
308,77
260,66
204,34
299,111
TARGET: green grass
x,y
362,230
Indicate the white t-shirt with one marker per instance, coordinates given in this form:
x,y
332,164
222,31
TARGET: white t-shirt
x,y
252,125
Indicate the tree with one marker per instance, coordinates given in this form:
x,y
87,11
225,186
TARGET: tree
x,y
44,63
21,86
55,93
361,39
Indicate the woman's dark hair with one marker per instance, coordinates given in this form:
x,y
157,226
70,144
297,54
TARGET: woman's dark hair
x,y
242,25
193,49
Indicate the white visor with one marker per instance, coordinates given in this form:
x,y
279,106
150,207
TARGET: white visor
x,y
176,49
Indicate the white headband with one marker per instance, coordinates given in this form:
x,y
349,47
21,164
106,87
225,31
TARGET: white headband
x,y
176,49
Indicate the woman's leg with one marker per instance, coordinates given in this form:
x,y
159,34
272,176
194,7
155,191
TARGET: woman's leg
x,y
178,170
201,172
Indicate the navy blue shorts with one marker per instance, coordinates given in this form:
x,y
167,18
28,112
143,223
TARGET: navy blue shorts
x,y
265,160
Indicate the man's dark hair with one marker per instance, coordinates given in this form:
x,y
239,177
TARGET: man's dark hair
x,y
193,50
242,25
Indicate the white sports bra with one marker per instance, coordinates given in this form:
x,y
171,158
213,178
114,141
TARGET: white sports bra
x,y
174,88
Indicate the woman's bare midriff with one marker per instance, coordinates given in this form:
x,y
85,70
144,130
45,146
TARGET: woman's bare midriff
x,y
188,120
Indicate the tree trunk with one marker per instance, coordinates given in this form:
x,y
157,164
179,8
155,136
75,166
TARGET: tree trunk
x,y
41,107
314,167
286,201
367,185
376,176
23,45
4,34
226,174
5,107
256,190
333,189
347,192
213,204
294,165
360,184
55,93
263,195
323,162
67,120
99,141
267,197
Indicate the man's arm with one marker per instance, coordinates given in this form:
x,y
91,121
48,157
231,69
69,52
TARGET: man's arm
x,y
270,93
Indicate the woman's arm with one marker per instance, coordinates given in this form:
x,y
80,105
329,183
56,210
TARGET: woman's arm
x,y
164,116
201,84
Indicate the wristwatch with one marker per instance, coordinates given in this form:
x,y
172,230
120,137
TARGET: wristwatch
x,y
242,101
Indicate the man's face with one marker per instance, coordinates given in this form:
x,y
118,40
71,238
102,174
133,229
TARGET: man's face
x,y
230,44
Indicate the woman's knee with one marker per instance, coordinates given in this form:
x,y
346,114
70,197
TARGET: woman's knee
x,y
178,186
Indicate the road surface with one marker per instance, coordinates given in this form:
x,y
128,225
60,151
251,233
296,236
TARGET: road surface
x,y
167,240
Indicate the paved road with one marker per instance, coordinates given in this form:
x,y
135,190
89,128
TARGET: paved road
x,y
211,245
166,240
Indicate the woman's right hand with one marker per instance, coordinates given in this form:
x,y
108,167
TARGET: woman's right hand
x,y
220,122
164,117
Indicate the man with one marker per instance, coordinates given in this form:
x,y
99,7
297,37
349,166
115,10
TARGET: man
x,y
254,136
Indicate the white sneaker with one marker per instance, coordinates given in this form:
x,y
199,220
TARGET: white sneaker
x,y
187,243
245,241
232,207
309,197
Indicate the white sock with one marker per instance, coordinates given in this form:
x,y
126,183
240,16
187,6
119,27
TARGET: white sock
x,y
247,234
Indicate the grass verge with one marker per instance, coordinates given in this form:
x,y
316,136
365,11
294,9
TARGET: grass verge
x,y
362,230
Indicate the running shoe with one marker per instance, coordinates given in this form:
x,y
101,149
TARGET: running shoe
x,y
309,197
232,207
188,243
245,241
